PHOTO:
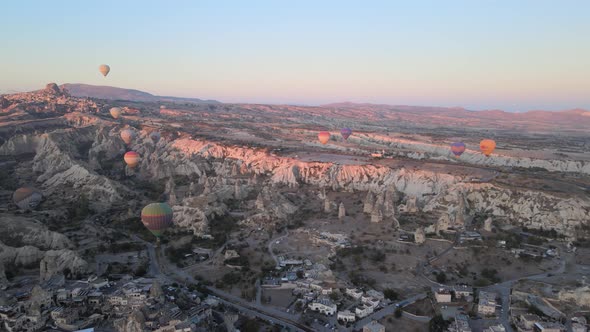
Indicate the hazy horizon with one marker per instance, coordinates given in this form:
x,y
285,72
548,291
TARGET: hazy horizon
x,y
529,55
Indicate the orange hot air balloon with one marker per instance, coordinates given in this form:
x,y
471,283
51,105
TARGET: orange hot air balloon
x,y
324,137
104,70
132,158
115,112
487,146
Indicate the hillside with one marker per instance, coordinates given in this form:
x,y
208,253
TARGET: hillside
x,y
114,93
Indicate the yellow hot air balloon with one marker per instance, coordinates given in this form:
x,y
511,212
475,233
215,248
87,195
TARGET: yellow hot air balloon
x,y
132,158
487,146
115,112
324,137
104,70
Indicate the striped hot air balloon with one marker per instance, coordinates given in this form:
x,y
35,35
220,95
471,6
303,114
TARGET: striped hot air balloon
x,y
27,198
115,112
345,132
127,136
157,217
487,146
324,137
458,148
132,158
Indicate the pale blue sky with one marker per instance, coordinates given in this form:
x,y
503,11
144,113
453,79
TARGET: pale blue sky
x,y
512,55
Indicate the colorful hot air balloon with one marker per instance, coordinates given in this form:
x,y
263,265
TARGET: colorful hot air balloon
x,y
345,132
115,112
157,217
132,158
487,146
127,135
104,70
458,148
155,136
27,198
324,137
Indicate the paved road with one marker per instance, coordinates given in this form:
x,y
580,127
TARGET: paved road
x,y
272,242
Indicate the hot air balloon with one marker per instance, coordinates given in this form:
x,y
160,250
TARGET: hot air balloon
x,y
115,112
487,146
132,158
155,136
345,132
104,70
27,198
127,136
324,137
157,217
458,148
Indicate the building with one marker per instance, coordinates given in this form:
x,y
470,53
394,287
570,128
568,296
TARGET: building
x,y
526,322
374,326
463,292
376,294
363,310
354,293
487,304
495,328
442,295
323,305
346,316
461,324
370,301
548,327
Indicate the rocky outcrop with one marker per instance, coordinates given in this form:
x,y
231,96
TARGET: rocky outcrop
x,y
57,262
133,323
580,296
341,211
19,231
419,235
20,256
487,224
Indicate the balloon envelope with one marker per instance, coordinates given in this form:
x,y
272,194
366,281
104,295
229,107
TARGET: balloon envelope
x,y
157,217
324,137
127,135
115,112
458,148
27,198
132,158
487,146
155,136
104,70
345,132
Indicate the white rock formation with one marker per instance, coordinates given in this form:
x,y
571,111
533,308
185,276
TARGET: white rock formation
x,y
341,211
419,235
487,224
56,261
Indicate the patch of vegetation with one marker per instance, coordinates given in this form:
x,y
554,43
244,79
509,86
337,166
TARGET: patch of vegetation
x,y
390,294
438,324
176,255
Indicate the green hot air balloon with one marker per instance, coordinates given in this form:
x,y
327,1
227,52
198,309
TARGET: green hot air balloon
x,y
27,198
157,217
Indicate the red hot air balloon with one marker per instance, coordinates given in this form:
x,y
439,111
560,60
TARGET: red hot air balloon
x,y
324,137
345,132
157,217
458,148
132,158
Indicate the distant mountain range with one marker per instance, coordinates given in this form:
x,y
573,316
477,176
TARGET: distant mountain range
x,y
114,93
